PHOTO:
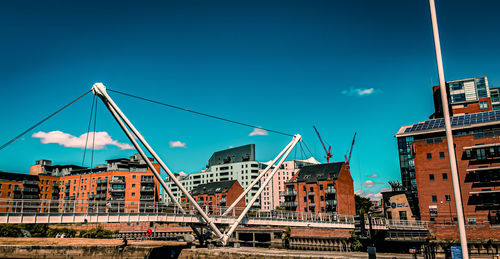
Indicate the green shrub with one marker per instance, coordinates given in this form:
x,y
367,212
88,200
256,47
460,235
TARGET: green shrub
x,y
98,232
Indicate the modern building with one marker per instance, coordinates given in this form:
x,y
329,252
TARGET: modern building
x,y
128,180
466,96
395,203
216,196
426,174
270,196
230,164
321,188
495,98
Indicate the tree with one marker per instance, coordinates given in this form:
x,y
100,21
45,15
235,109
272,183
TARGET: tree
x,y
363,204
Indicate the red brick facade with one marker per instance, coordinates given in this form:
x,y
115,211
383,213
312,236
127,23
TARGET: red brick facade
x,y
434,182
329,194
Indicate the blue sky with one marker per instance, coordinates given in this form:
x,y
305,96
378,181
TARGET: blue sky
x,y
344,66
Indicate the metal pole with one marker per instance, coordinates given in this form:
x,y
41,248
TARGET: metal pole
x,y
257,179
296,139
100,90
449,136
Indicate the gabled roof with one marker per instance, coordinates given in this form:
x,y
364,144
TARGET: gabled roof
x,y
213,187
320,172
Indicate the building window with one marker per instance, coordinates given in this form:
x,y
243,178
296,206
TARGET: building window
x,y
484,105
429,156
431,177
447,197
434,198
321,187
304,187
311,189
441,155
471,221
305,199
133,194
133,185
133,176
445,176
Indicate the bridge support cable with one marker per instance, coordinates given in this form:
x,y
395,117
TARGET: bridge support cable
x,y
42,121
200,113
296,139
100,90
256,181
143,155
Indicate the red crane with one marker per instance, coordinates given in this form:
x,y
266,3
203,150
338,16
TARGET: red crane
x,y
328,154
347,159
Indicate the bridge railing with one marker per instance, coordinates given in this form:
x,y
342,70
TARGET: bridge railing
x,y
121,206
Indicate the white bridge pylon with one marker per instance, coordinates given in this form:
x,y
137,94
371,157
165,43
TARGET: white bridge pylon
x,y
100,90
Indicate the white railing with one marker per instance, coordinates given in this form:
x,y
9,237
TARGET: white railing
x,y
93,207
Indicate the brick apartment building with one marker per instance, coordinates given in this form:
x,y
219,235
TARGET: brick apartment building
x,y
322,188
216,194
426,173
424,163
128,180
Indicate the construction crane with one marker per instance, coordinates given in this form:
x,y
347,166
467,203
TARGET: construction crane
x,y
328,153
348,158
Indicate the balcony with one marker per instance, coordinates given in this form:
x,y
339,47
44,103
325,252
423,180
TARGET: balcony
x,y
147,180
290,193
117,180
331,203
147,189
330,190
222,200
30,190
67,184
310,193
66,190
119,198
102,181
100,196
30,197
29,182
116,189
55,190
101,188
289,204
55,184
17,189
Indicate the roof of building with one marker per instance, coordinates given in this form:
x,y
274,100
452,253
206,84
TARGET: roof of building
x,y
213,187
320,172
457,122
17,177
233,155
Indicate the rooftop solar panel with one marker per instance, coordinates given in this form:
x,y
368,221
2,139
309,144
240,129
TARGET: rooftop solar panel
x,y
461,120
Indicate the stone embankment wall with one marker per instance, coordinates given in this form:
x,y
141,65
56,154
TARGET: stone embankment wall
x,y
55,252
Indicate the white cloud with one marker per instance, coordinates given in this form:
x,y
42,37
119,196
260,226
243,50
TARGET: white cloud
x,y
257,132
370,183
177,143
359,91
373,176
102,139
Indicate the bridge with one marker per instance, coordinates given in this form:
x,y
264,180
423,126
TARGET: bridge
x,y
192,214
23,211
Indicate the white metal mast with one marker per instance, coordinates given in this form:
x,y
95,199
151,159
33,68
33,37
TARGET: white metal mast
x,y
449,135
100,90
